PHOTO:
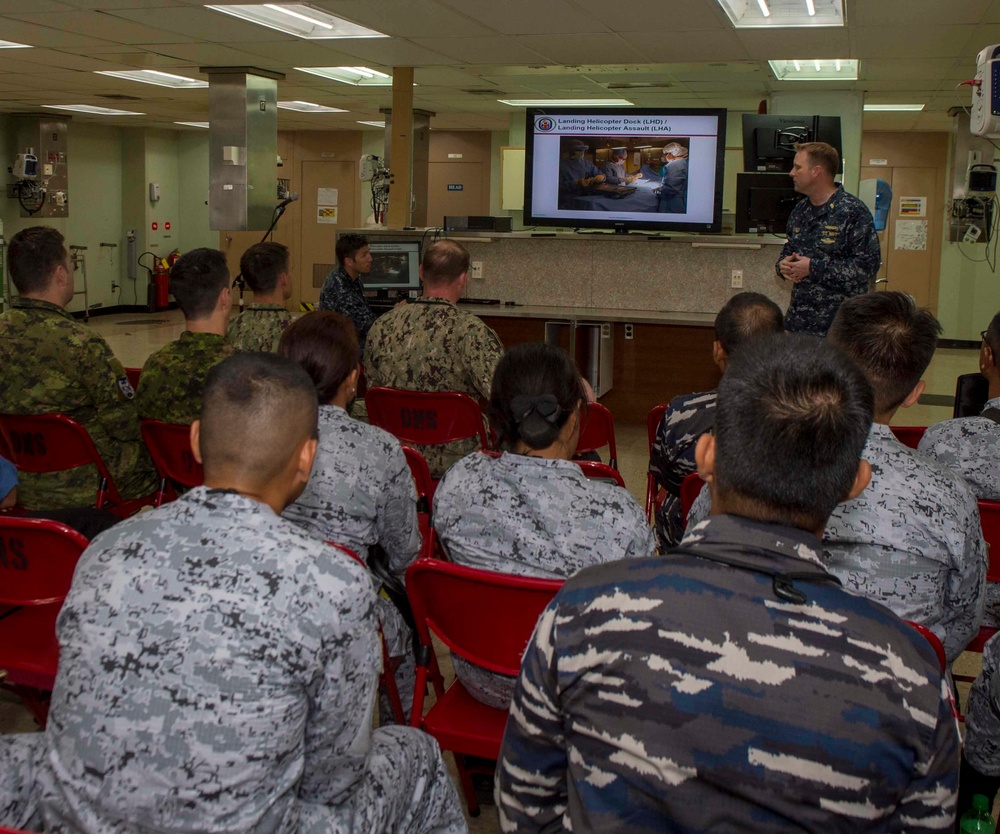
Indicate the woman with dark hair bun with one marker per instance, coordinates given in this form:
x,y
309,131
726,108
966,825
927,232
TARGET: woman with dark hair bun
x,y
531,511
361,492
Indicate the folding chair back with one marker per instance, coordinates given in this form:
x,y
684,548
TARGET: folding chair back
x,y
597,471
425,495
169,446
653,498
908,435
53,443
989,517
133,375
426,418
485,617
37,560
690,488
597,432
932,638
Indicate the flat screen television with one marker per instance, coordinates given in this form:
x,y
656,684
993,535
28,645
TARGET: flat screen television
x,y
769,141
395,267
763,203
567,151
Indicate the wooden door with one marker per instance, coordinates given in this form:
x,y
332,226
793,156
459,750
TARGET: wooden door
x,y
473,199
320,178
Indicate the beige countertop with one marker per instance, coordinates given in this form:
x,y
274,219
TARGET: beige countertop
x,y
591,314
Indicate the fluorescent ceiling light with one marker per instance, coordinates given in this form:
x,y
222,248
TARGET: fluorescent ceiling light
x,y
357,76
160,79
193,124
300,20
783,14
840,69
895,108
374,124
12,45
308,107
89,108
566,102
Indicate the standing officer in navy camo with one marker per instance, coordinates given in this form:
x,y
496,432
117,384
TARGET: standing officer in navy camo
x,y
265,268
52,364
746,316
218,665
173,378
431,345
733,685
343,291
832,251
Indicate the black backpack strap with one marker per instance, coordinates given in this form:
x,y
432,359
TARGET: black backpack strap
x,y
991,414
782,582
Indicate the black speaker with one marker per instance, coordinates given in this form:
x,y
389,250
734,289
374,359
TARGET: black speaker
x,y
476,223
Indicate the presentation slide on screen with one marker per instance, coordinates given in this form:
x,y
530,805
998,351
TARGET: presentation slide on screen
x,y
625,167
394,264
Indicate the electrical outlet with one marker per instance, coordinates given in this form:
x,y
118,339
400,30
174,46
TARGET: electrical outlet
x,y
737,281
629,331
114,286
476,270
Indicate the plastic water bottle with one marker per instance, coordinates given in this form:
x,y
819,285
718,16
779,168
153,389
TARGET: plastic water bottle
x,y
978,819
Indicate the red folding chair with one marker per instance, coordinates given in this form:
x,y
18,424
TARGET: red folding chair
x,y
486,618
37,560
932,638
426,418
598,430
690,489
989,517
54,443
133,375
654,495
425,494
597,471
908,435
169,446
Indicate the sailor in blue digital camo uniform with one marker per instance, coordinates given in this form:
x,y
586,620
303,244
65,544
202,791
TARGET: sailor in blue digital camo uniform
x,y
747,315
832,252
732,685
360,494
218,665
343,292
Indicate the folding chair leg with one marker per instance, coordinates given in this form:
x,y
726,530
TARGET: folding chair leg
x,y
387,682
466,780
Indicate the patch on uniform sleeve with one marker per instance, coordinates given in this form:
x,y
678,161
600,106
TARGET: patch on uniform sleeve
x,y
126,387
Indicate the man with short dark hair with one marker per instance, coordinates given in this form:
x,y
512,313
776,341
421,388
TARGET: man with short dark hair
x,y
52,364
431,345
265,268
218,665
734,686
343,291
832,252
913,540
746,316
173,377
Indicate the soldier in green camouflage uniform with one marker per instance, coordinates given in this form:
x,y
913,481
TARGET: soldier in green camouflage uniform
x,y
264,267
431,345
173,378
52,364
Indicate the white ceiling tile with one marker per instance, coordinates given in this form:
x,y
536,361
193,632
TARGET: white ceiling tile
x,y
203,25
108,27
301,53
392,52
583,49
201,54
672,16
408,18
903,69
32,34
494,50
894,12
910,41
775,44
692,46
523,17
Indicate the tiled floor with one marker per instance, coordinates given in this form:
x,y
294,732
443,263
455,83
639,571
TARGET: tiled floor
x,y
134,336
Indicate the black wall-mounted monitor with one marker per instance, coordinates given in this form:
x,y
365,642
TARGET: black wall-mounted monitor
x,y
763,203
769,141
395,266
625,168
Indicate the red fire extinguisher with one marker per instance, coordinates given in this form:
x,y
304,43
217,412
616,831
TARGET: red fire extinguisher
x,y
161,281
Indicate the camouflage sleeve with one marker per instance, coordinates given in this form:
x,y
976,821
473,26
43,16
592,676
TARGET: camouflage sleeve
x,y
531,790
701,508
965,591
855,261
396,515
341,699
114,400
786,250
483,352
643,543
929,802
982,714
664,455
